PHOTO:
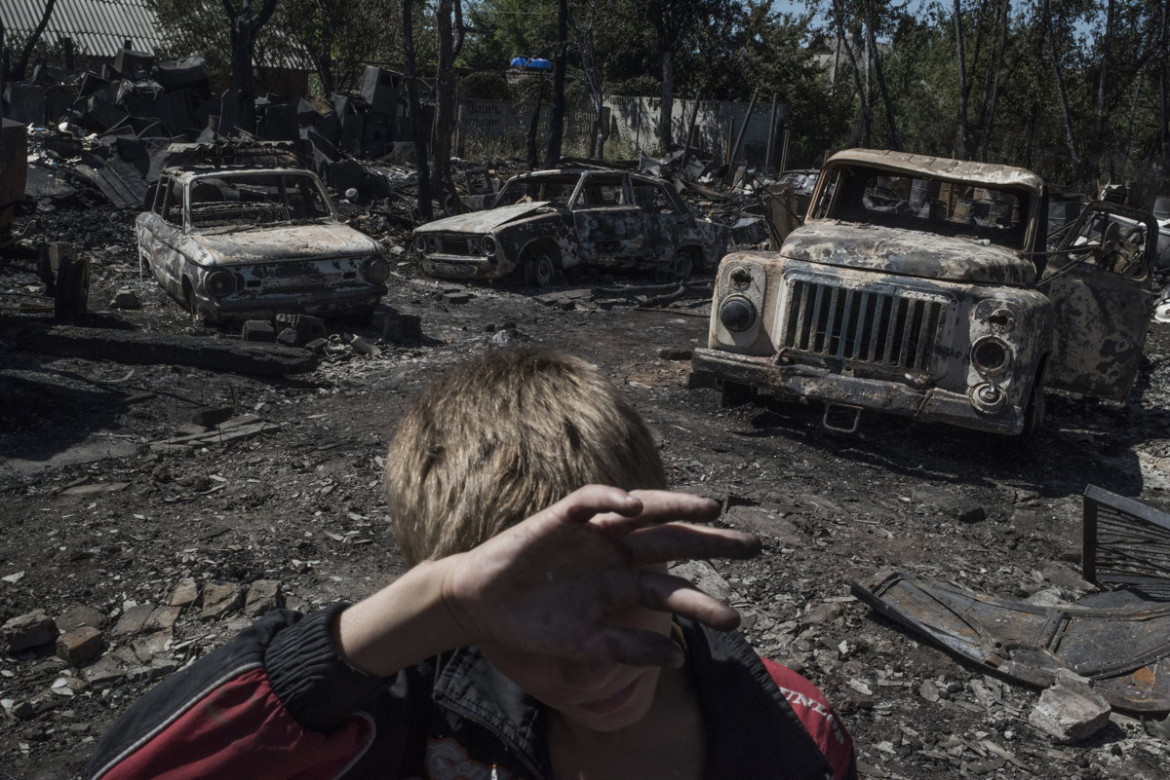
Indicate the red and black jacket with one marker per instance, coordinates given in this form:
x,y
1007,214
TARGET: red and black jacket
x,y
278,702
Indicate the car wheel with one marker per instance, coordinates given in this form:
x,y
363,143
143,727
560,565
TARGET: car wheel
x,y
683,266
193,311
540,268
735,394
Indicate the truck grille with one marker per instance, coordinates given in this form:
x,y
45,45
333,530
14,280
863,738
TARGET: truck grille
x,y
864,327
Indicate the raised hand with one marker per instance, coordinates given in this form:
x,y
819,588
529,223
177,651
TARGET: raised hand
x,y
548,584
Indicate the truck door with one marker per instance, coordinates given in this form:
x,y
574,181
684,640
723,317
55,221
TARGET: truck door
x,y
1098,279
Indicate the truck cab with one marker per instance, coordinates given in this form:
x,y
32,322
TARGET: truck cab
x,y
926,287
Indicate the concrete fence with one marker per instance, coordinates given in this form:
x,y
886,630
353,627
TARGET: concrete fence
x,y
492,127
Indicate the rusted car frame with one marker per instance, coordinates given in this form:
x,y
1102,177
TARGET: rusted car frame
x,y
545,222
252,242
923,287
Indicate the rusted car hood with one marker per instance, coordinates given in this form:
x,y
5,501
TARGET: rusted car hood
x,y
907,252
481,221
284,242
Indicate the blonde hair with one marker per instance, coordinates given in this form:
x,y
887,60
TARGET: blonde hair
x,y
503,436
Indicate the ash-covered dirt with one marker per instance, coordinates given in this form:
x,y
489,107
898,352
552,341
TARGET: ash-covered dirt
x,y
100,526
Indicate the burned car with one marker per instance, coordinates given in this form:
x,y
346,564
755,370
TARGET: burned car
x,y
545,222
240,243
924,287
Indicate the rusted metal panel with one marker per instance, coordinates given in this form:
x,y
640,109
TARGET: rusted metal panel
x,y
1124,650
1126,543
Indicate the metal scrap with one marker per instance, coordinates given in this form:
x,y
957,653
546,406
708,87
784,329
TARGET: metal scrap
x,y
1126,543
1124,650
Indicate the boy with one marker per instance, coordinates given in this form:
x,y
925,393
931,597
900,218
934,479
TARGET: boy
x,y
549,647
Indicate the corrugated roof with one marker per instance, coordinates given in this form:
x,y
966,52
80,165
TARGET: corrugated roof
x,y
97,27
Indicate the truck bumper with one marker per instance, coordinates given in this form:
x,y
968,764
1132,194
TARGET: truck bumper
x,y
928,404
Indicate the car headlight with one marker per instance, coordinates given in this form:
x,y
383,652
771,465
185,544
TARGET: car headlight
x,y
219,283
737,313
991,356
487,245
376,270
420,243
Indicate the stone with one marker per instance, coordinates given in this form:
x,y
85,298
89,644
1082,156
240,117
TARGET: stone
x,y
163,617
125,298
134,619
81,615
146,648
31,629
219,599
185,593
1071,710
263,596
364,347
402,329
104,670
821,613
79,645
258,330
209,418
705,577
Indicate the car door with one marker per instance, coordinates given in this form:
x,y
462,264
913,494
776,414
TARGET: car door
x,y
669,224
159,232
1098,279
607,222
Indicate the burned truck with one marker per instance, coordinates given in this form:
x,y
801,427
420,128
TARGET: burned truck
x,y
925,287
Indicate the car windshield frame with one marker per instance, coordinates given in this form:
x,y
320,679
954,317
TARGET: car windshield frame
x,y
226,201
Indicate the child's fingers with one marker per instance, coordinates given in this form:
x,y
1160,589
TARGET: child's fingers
x,y
667,593
587,502
661,506
676,541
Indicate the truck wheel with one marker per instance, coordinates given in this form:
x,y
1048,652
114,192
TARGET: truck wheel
x,y
683,266
735,394
1034,411
540,267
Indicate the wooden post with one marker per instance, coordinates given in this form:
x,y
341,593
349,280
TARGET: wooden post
x,y
691,127
772,134
784,151
730,135
743,130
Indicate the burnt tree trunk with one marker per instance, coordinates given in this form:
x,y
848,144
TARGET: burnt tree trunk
x,y
21,64
666,109
445,102
418,127
556,117
244,26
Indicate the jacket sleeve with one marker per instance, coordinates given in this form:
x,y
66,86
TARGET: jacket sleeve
x,y
275,702
819,719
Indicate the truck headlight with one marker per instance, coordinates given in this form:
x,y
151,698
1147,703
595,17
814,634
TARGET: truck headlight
x,y
991,355
420,243
219,283
737,313
376,270
487,245
988,398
